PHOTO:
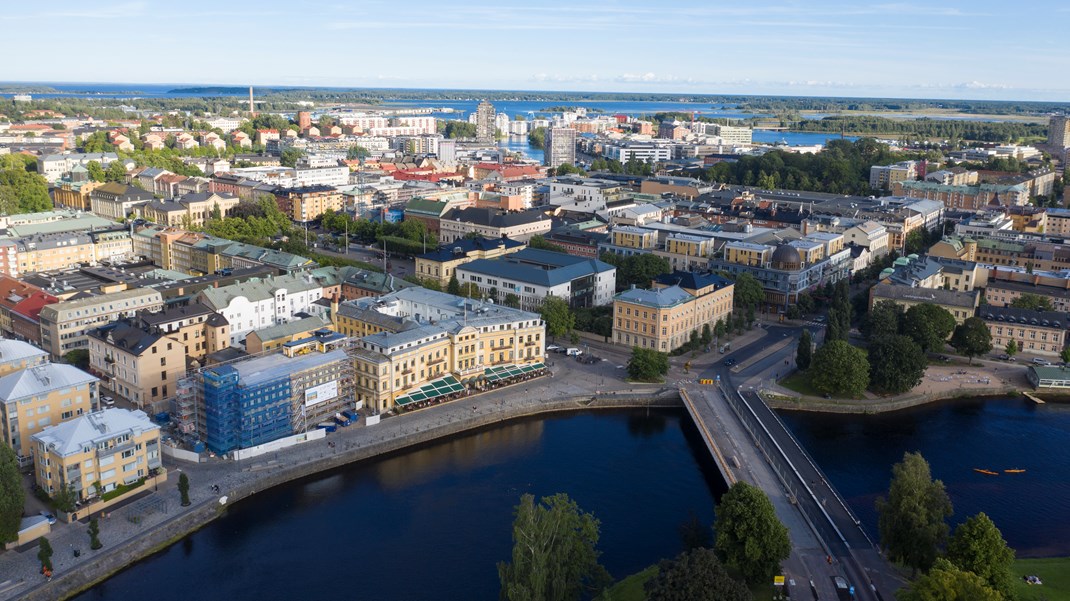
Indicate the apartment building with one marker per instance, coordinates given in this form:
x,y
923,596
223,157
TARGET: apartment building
x,y
883,177
431,344
54,166
275,337
16,355
1034,332
40,396
117,201
970,198
440,264
97,452
1059,131
489,223
869,234
20,309
140,366
789,268
65,325
308,203
257,304
532,274
677,304
201,330
560,147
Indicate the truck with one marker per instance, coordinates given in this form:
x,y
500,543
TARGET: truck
x,y
341,419
328,426
844,591
352,415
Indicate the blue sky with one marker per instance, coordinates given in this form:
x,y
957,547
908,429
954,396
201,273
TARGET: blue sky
x,y
943,49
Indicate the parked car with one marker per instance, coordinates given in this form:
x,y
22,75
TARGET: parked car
x,y
1042,362
107,401
573,352
552,348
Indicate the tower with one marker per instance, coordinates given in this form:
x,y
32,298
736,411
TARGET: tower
x,y
252,107
560,146
485,122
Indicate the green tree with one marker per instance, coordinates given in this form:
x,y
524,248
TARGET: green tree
x,y
555,554
22,191
454,285
1065,355
929,325
647,365
1032,301
804,353
972,338
839,316
64,498
946,582
557,315
838,368
12,495
537,137
805,304
116,172
913,519
748,291
183,488
94,533
511,300
289,156
96,171
471,290
896,364
1012,348
693,576
977,546
78,358
44,553
720,328
540,242
749,537
884,319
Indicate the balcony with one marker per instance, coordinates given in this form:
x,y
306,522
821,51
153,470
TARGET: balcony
x,y
500,347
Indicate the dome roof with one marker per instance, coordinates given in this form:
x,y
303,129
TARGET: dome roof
x,y
786,254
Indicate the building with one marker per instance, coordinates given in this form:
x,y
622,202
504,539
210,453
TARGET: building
x,y
97,453
530,275
969,198
491,223
664,317
430,345
16,355
646,152
439,264
309,203
117,201
190,210
883,177
1049,376
74,194
201,330
961,304
1059,131
40,396
138,365
788,268
55,166
1001,293
1034,332
257,304
560,147
65,325
261,399
273,338
485,129
869,234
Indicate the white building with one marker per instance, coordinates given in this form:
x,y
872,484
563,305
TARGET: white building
x,y
321,176
55,166
533,274
638,151
868,234
560,146
258,304
227,124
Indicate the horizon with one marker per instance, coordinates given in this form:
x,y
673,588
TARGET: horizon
x,y
955,51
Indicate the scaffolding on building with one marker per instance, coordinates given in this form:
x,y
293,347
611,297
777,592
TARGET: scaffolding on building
x,y
187,402
306,415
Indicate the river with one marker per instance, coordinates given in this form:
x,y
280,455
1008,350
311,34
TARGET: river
x,y
432,523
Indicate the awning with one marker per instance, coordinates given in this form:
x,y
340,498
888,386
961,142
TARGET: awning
x,y
431,390
504,372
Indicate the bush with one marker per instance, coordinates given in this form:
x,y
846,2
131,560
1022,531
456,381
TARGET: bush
x,y
122,489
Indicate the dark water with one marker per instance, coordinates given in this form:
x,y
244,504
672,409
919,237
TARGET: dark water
x,y
1031,509
432,523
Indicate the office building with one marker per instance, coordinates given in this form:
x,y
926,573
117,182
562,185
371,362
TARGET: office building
x,y
439,264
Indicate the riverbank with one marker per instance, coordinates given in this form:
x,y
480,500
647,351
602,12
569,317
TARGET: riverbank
x,y
392,435
1053,572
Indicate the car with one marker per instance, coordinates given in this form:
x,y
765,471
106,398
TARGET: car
x,y
553,348
944,358
820,319
1004,357
1042,362
728,362
48,516
107,401
573,352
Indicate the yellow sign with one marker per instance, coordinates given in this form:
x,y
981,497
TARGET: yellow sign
x,y
778,581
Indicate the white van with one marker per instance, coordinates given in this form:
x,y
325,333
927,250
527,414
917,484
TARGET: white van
x,y
573,352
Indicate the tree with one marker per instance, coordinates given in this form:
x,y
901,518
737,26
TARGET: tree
x,y
537,241
884,319
1011,349
22,191
511,300
804,354
555,555
972,338
470,290
96,171
913,519
896,364
647,365
44,553
946,582
12,495
94,532
289,156
929,325
749,537
840,369
1065,355
116,172
537,137
557,315
693,576
64,498
977,546
805,304
183,489
454,285
839,316
720,328
78,358
748,291
1032,301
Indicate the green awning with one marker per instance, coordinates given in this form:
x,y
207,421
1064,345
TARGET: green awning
x,y
431,390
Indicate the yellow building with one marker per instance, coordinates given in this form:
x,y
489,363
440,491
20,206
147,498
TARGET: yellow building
x,y
745,253
961,305
64,325
97,452
274,337
54,252
678,304
686,252
440,264
41,396
1033,332
16,355
627,236
430,343
74,195
137,365
201,330
310,202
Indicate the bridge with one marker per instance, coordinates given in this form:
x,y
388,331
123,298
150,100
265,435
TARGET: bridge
x,y
749,442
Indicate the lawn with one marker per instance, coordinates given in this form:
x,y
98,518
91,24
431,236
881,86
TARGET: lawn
x,y
1053,572
800,383
631,588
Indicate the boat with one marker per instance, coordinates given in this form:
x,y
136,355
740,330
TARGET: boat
x,y
985,472
1014,471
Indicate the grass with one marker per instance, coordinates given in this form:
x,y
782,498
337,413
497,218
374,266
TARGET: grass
x,y
800,383
1053,572
631,588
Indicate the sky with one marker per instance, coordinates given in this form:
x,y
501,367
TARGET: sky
x,y
979,49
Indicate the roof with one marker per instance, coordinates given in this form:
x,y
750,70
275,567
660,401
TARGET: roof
x,y
694,280
71,437
464,246
125,336
264,369
494,217
254,290
659,298
927,295
17,350
539,267
42,379
292,328
1015,315
423,206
